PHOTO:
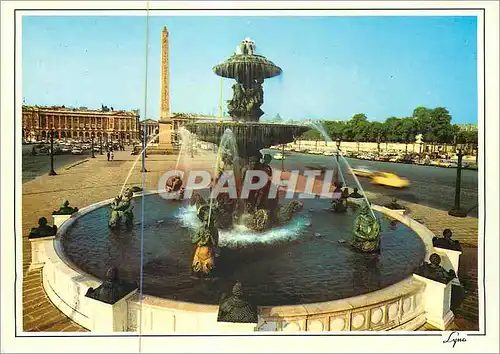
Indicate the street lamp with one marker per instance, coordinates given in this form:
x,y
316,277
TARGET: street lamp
x,y
477,153
456,210
52,172
143,136
92,135
191,138
283,157
100,144
338,150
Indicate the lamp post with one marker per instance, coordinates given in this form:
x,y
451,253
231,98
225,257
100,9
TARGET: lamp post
x,y
282,157
143,137
477,153
52,172
191,138
92,135
378,144
100,144
337,156
456,210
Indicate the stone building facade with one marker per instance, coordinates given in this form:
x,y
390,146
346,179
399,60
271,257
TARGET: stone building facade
x,y
79,124
181,119
150,127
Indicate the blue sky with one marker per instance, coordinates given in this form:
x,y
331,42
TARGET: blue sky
x,y
333,67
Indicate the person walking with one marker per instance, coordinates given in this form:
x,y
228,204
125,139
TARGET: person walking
x,y
112,155
109,155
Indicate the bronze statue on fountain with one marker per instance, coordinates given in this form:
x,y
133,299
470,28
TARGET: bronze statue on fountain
x,y
261,211
366,231
121,208
206,239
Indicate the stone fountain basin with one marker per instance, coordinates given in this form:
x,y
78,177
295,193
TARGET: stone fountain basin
x,y
248,135
245,66
396,306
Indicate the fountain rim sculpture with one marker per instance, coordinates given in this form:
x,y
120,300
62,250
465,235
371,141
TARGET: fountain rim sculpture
x,y
58,263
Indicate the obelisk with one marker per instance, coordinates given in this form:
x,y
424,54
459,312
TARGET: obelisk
x,y
165,122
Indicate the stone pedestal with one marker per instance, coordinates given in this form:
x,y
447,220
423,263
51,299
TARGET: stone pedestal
x,y
165,137
437,302
164,145
59,219
107,318
449,260
38,253
229,327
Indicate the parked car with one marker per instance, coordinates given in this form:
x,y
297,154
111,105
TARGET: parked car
x,y
279,156
390,180
446,163
77,151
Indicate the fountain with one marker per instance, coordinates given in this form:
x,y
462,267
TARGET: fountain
x,y
249,70
257,212
292,260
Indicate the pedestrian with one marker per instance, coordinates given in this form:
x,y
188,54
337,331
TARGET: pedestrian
x,y
109,155
112,155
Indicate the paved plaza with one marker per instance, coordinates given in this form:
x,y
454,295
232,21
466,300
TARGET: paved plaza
x,y
93,180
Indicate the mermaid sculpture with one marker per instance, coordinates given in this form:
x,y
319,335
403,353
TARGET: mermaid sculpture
x,y
206,239
366,231
122,208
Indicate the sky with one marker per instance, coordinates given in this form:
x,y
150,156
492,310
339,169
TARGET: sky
x,y
333,67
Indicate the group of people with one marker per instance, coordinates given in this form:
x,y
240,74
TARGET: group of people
x,y
340,196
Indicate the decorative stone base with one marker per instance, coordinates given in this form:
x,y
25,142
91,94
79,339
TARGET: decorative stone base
x,y
458,213
165,140
38,254
449,260
106,318
228,327
163,149
441,323
437,300
59,219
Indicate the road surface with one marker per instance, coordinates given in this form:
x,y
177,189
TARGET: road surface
x,y
430,185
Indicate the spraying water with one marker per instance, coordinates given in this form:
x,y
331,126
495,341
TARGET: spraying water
x,y
185,138
241,236
327,138
151,141
227,147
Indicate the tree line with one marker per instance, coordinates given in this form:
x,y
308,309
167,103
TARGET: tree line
x,y
434,125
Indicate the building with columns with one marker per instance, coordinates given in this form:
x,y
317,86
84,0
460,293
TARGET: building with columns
x,y
79,124
150,127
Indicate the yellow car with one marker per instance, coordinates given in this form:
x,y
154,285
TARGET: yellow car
x,y
390,180
363,172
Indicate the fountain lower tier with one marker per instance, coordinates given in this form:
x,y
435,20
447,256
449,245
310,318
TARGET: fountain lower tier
x,y
249,137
